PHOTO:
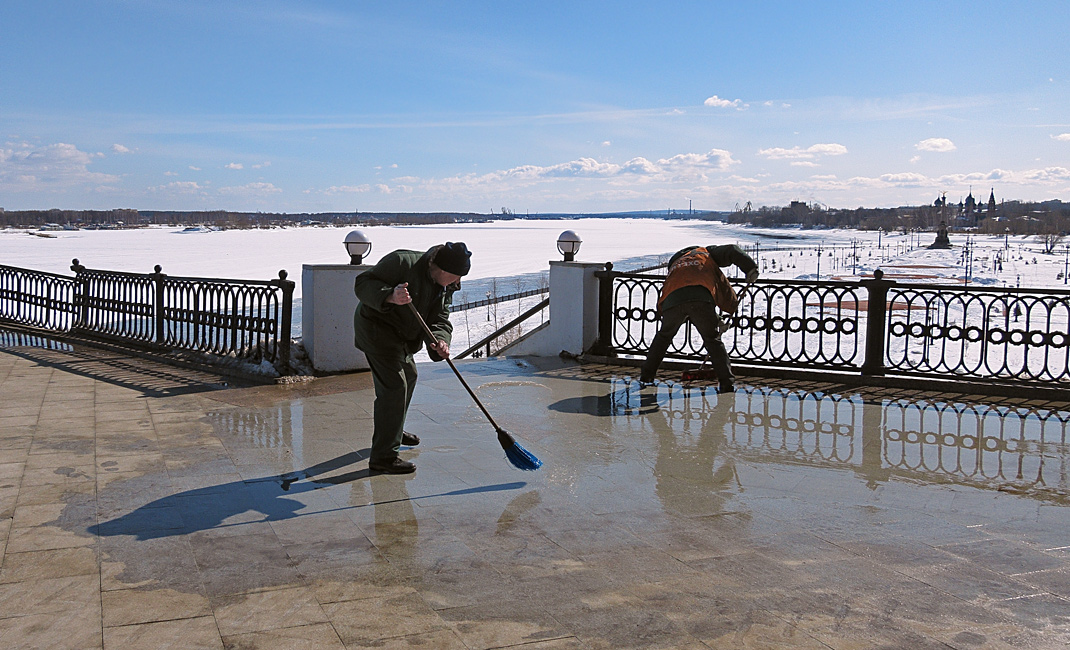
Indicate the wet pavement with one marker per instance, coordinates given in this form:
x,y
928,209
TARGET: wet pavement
x,y
147,506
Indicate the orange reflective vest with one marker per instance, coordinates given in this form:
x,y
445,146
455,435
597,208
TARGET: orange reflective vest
x,y
696,268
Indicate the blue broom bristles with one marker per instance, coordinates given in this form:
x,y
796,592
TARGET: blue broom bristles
x,y
520,458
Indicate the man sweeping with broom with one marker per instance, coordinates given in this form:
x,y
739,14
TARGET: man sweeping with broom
x,y
389,332
694,288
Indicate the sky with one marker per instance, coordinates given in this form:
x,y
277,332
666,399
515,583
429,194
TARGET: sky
x,y
348,106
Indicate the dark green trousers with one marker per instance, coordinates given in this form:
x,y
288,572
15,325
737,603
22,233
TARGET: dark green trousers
x,y
394,376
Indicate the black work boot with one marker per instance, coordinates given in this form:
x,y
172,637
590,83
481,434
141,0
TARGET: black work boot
x,y
410,439
392,466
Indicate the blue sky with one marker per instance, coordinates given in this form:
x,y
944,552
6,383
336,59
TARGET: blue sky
x,y
534,107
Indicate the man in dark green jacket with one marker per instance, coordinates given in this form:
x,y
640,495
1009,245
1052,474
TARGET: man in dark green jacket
x,y
388,333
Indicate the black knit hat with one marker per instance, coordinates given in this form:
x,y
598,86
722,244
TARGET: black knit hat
x,y
454,258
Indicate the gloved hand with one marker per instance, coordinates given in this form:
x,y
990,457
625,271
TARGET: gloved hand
x,y
752,275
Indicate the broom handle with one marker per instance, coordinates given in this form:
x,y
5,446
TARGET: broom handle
x,y
431,338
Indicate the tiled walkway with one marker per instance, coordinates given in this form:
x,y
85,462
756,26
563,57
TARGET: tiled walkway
x,y
147,507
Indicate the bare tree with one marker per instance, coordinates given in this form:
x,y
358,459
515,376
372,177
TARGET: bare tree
x,y
1049,243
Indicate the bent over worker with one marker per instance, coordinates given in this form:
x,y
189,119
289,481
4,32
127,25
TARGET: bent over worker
x,y
694,288
388,333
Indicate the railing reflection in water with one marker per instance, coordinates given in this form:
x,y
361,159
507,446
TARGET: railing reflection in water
x,y
1001,445
275,428
1025,447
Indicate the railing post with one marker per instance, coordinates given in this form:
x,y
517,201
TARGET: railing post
x,y
876,322
604,344
81,296
283,364
159,335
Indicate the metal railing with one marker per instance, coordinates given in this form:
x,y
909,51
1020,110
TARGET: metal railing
x,y
37,299
504,329
245,319
493,300
872,327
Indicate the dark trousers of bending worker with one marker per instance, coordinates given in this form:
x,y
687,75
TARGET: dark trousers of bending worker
x,y
703,315
394,377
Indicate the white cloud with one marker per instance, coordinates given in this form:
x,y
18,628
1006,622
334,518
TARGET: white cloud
x,y
804,163
935,144
347,189
57,166
717,102
118,148
640,165
266,163
250,189
606,143
234,166
196,169
561,180
1062,137
178,187
905,178
1047,175
798,153
713,160
170,173
915,159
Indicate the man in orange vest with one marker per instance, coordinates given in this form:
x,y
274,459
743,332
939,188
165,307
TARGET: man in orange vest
x,y
694,289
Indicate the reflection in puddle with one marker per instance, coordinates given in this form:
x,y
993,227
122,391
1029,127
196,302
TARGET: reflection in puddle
x,y
994,445
265,428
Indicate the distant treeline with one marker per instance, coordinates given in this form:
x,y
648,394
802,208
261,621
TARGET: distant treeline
x,y
1013,217
127,218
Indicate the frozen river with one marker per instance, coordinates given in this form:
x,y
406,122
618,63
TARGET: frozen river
x,y
513,255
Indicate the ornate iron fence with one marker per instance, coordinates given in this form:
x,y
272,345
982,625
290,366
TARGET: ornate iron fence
x,y
1014,334
247,319
37,299
872,327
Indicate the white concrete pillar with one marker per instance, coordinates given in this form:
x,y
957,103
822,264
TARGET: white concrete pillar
x,y
573,306
327,306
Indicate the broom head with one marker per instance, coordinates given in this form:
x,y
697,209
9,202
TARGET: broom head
x,y
520,458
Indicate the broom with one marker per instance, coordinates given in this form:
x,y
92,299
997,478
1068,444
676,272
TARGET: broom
x,y
693,374
520,458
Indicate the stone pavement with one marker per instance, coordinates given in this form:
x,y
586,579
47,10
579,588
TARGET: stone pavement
x,y
143,506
